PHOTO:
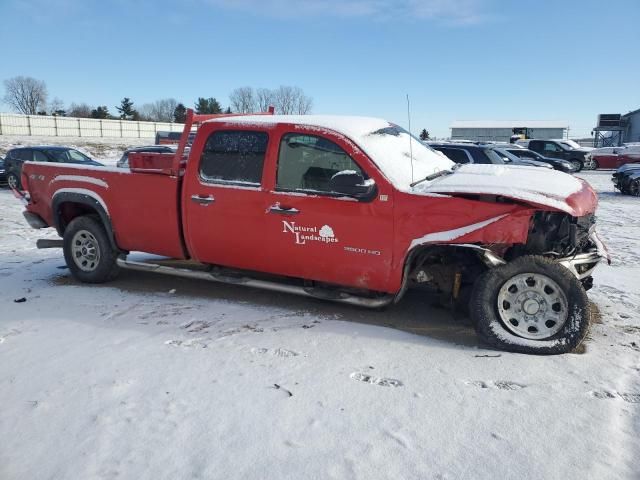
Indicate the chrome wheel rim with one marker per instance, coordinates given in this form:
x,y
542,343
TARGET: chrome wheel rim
x,y
85,251
634,189
532,306
12,181
577,165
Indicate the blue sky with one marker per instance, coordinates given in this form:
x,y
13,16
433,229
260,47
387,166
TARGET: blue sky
x,y
457,59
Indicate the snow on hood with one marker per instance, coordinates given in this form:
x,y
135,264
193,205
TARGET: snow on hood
x,y
391,152
530,184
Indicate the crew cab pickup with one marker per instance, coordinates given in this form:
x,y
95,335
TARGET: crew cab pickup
x,y
349,209
561,149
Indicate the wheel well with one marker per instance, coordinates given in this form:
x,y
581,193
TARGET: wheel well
x,y
67,208
67,211
444,262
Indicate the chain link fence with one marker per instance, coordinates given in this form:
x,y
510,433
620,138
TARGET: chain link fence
x,y
42,125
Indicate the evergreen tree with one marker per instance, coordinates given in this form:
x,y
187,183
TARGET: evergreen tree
x,y
180,113
424,135
127,112
100,112
208,106
228,111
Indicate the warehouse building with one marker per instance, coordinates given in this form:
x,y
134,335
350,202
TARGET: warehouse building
x,y
503,130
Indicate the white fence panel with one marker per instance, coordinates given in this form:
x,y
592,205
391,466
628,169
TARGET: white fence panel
x,y
42,125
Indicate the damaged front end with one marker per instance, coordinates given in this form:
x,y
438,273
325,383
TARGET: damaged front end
x,y
572,241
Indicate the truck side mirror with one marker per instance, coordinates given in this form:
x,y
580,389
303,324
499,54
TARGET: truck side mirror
x,y
353,184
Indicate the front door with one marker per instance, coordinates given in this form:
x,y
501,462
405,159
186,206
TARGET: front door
x,y
315,233
223,200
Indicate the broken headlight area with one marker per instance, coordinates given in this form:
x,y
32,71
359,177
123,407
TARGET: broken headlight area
x,y
560,234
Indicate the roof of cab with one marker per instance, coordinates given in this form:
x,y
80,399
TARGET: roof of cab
x,y
351,126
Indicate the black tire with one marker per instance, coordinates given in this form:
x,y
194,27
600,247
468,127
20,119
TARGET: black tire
x,y
579,164
491,328
13,181
634,188
88,232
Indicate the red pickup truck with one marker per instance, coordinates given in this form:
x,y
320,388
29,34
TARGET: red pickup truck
x,y
349,209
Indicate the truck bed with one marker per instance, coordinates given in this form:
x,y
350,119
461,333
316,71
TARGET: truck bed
x,y
142,207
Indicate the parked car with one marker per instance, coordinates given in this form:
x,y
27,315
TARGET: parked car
x,y
482,153
348,209
614,157
464,153
3,175
627,179
124,159
562,149
556,163
512,159
51,154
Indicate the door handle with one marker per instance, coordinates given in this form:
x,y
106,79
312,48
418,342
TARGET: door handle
x,y
283,210
202,200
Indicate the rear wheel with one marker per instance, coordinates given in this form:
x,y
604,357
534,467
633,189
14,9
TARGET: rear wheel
x,y
634,188
13,181
88,251
531,305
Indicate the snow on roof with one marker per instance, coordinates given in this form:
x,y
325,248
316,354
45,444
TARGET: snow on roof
x,y
510,124
390,152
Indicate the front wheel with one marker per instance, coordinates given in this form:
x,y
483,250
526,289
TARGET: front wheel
x,y
88,251
13,182
531,305
577,164
634,188
591,165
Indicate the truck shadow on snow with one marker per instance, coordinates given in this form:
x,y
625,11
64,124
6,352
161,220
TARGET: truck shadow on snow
x,y
415,314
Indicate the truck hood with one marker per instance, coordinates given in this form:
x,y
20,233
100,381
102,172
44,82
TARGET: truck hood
x,y
532,185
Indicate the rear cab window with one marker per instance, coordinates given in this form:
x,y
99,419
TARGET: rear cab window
x,y
306,163
234,157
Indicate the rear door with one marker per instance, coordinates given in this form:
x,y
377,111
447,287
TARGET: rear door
x,y
223,201
317,234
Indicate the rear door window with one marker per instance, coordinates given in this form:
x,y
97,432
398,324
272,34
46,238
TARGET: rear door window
x,y
39,156
307,163
232,156
24,155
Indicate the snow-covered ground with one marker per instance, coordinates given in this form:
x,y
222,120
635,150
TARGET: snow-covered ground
x,y
154,377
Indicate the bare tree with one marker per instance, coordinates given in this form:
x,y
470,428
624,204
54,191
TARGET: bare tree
x,y
264,99
243,100
79,110
25,94
159,111
291,100
304,104
56,107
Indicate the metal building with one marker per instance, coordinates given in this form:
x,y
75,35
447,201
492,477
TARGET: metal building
x,y
614,129
503,130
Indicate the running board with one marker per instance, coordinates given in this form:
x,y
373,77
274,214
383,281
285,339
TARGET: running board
x,y
46,243
319,293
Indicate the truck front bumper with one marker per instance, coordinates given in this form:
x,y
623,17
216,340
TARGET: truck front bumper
x,y
583,264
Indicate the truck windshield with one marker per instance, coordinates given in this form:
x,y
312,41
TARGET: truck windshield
x,y
569,144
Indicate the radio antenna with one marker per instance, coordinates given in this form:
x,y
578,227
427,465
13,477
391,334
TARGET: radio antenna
x,y
410,140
